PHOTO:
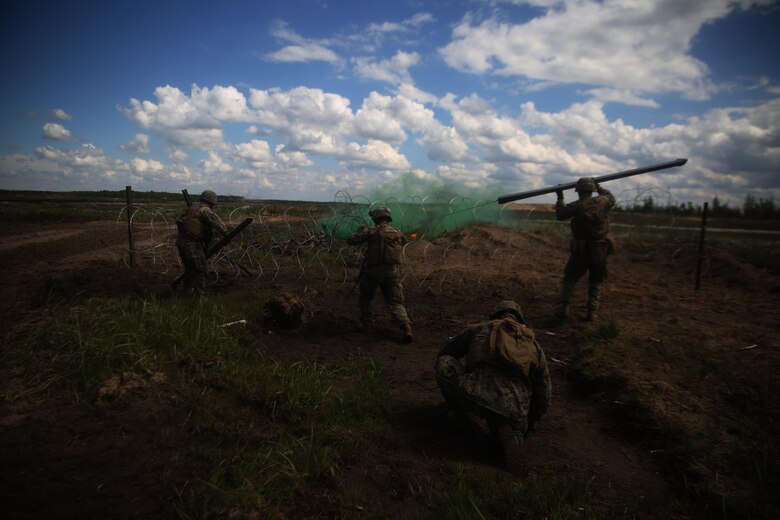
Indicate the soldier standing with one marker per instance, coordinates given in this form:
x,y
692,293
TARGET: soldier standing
x,y
590,244
197,227
382,269
504,387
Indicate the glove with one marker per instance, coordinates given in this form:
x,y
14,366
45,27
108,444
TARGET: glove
x,y
559,194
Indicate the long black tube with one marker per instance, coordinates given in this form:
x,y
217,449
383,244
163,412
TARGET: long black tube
x,y
610,177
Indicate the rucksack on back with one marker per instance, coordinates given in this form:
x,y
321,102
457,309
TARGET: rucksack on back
x,y
392,246
190,224
592,218
512,346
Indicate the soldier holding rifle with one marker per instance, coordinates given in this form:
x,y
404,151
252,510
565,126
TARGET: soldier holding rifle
x,y
197,227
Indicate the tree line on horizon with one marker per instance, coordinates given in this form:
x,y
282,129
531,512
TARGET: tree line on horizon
x,y
754,208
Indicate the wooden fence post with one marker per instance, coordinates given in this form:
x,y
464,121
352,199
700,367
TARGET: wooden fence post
x,y
701,245
129,192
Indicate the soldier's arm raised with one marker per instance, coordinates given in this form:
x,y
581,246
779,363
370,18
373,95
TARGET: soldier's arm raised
x,y
359,236
604,192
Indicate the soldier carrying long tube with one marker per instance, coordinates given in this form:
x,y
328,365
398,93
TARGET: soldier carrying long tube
x,y
590,244
610,177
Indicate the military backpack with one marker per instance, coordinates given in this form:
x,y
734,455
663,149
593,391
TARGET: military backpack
x,y
512,345
190,224
591,220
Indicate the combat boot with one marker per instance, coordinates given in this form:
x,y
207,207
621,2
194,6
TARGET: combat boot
x,y
407,328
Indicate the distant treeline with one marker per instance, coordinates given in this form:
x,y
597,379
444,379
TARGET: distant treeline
x,y
101,196
752,208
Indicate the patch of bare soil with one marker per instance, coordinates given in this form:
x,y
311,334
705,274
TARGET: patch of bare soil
x,y
617,418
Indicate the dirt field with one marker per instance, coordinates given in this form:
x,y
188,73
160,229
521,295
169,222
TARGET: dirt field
x,y
627,413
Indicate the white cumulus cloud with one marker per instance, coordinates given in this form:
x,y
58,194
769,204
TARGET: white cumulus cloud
x,y
214,164
620,44
59,113
300,49
185,121
394,70
56,132
139,144
374,154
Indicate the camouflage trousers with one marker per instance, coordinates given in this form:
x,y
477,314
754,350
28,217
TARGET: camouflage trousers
x,y
388,279
586,256
195,265
485,392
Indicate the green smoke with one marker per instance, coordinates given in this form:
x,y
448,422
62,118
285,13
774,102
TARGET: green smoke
x,y
428,207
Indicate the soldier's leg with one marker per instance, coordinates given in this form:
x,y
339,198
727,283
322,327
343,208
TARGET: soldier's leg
x,y
573,271
184,256
199,269
393,292
597,273
188,255
367,288
506,414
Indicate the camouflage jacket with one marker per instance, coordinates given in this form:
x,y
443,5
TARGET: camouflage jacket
x,y
199,222
473,342
384,244
589,216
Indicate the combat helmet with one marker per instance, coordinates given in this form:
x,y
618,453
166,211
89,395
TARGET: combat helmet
x,y
585,184
507,306
379,213
209,197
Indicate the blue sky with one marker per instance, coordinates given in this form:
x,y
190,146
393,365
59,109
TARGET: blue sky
x,y
303,98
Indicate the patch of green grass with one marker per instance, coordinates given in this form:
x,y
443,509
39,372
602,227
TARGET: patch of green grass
x,y
316,417
598,342
258,432
84,344
475,493
603,332
756,458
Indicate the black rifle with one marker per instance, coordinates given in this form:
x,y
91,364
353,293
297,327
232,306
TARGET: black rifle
x,y
612,176
187,198
213,250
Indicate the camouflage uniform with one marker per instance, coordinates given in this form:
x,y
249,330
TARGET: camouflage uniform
x,y
380,271
488,391
589,246
196,230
